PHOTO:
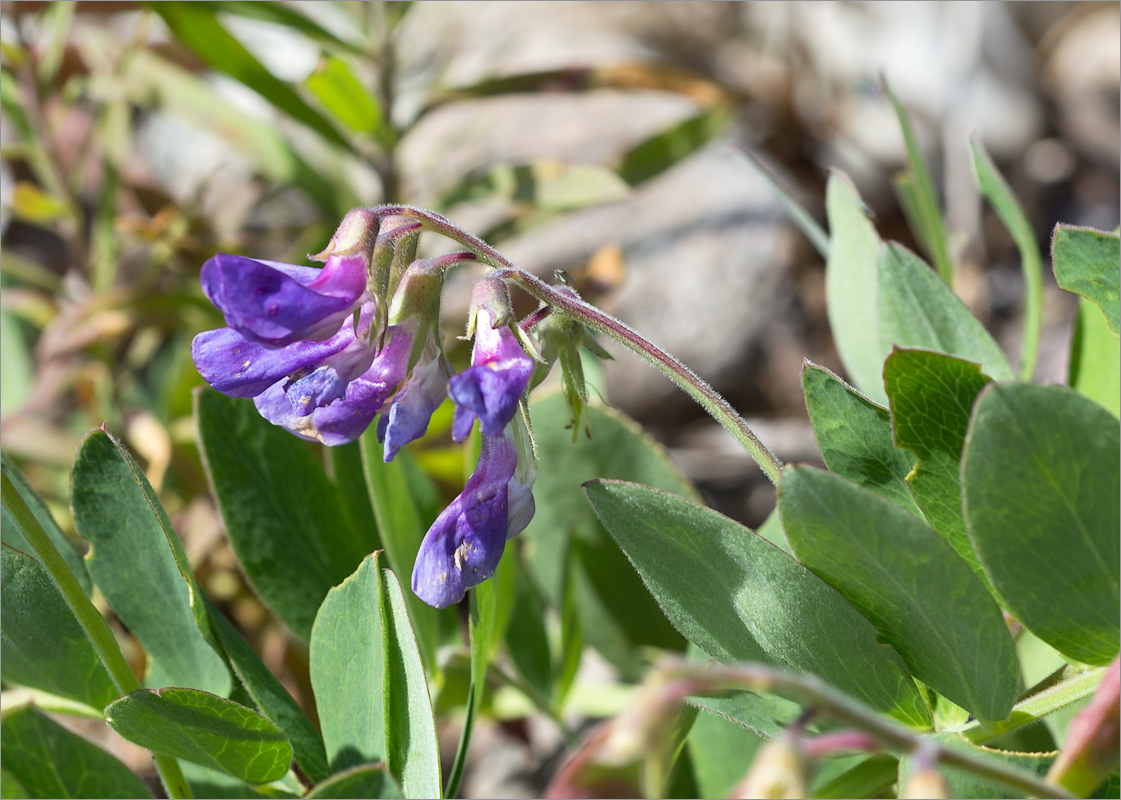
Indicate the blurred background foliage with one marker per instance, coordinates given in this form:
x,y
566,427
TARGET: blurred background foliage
x,y
139,139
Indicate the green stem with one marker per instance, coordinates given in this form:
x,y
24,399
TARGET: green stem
x,y
94,625
828,702
568,303
1031,709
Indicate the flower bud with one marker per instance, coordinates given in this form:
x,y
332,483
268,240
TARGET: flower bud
x,y
779,772
355,234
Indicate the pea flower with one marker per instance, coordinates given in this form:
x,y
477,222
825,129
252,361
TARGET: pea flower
x,y
465,543
314,348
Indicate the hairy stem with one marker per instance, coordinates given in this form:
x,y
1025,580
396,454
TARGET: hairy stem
x,y
568,303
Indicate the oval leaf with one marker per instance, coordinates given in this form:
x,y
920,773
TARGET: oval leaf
x,y
1088,262
915,589
138,563
916,309
49,761
850,285
855,437
739,598
203,728
44,646
284,518
1041,471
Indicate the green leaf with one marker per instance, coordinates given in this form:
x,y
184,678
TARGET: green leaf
x,y
346,470
44,646
851,285
961,783
565,545
1011,213
334,85
203,728
138,563
739,598
655,155
402,529
198,28
720,752
284,517
1041,471
797,213
10,787
279,14
915,589
17,368
917,310
272,698
1095,358
855,437
1088,262
368,780
548,185
920,202
49,761
527,641
413,754
347,667
13,535
931,399
872,777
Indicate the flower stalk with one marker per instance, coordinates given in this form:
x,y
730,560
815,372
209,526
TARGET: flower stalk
x,y
570,304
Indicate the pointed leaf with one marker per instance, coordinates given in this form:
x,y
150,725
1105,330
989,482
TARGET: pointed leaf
x,y
914,588
203,728
341,93
49,761
347,667
44,646
1088,262
272,698
1041,470
13,536
138,563
412,752
283,516
931,399
655,155
917,310
851,285
719,752
739,598
795,210
855,437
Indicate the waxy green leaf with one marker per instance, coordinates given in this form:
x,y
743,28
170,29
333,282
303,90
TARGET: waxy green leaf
x,y
1041,471
284,518
49,761
565,544
44,646
931,398
739,598
920,595
369,682
1088,262
203,728
138,563
916,309
855,437
851,285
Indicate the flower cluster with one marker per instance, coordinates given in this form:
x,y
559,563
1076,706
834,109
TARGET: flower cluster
x,y
322,352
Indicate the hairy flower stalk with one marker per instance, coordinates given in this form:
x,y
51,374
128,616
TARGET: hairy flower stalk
x,y
324,352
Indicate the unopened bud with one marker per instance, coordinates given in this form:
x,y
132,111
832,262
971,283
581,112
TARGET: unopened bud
x,y
493,297
779,772
356,234
924,783
1091,751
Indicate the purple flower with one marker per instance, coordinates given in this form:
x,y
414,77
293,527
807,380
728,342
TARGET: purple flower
x,y
280,304
412,406
489,390
465,543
